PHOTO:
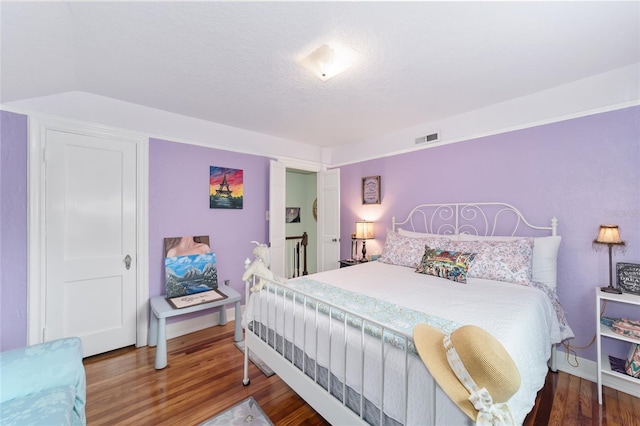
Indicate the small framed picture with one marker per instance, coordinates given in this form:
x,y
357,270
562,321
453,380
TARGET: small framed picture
x,y
292,215
371,190
628,277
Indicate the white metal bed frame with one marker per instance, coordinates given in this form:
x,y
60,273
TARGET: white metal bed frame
x,y
447,219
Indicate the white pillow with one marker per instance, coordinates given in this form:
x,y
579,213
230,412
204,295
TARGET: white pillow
x,y
545,255
545,260
414,234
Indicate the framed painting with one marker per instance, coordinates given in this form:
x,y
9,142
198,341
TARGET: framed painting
x,y
226,188
371,190
190,274
628,277
292,215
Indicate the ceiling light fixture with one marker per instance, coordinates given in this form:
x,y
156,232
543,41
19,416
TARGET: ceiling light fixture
x,y
326,62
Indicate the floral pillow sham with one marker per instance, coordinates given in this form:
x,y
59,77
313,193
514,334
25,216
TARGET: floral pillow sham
x,y
406,251
509,261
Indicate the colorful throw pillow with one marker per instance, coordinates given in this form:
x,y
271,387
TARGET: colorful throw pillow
x,y
452,265
407,251
508,261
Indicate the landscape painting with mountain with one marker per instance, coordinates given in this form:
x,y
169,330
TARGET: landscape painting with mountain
x,y
190,274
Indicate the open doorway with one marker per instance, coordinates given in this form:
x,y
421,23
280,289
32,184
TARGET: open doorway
x,y
301,218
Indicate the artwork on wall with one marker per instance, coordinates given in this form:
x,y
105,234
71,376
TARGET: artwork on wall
x,y
628,277
314,209
371,190
191,275
292,215
226,188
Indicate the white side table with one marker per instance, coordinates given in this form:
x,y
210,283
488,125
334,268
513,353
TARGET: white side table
x,y
162,310
613,379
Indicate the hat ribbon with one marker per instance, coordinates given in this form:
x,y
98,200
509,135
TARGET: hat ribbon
x,y
489,414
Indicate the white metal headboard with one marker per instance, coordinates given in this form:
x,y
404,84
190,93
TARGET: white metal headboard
x,y
485,219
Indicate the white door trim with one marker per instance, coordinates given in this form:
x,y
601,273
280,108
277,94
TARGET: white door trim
x,y
308,166
35,232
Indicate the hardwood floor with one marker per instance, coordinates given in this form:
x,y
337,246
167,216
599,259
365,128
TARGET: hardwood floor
x,y
204,377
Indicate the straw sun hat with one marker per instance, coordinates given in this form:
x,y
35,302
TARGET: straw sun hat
x,y
489,374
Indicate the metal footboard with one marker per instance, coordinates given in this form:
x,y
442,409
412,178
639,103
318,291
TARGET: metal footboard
x,y
310,344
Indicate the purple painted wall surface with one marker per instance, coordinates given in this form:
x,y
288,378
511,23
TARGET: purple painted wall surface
x,y
13,230
584,171
179,205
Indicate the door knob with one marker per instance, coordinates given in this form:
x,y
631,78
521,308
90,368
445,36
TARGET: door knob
x,y
127,262
335,240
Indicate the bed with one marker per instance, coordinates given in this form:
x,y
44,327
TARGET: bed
x,y
342,338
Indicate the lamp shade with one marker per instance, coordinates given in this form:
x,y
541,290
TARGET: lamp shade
x,y
609,234
364,230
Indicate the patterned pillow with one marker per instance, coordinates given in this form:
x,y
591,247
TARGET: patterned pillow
x,y
509,261
407,251
452,265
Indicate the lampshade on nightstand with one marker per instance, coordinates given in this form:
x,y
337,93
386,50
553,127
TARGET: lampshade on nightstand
x,y
364,231
609,235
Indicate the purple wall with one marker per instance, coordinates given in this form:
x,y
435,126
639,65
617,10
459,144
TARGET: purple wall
x,y
13,230
179,205
584,171
557,169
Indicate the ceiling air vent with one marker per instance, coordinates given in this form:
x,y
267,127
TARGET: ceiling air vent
x,y
433,137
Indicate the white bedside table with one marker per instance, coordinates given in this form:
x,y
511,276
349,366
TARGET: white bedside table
x,y
162,310
613,379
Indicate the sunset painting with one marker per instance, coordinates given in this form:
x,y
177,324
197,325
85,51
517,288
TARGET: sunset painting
x,y
225,188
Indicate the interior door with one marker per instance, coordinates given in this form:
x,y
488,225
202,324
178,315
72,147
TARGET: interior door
x,y
277,207
329,219
90,221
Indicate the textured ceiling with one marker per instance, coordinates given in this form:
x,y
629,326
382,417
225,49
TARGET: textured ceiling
x,y
235,63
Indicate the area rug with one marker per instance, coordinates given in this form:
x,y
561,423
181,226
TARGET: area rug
x,y
247,411
257,361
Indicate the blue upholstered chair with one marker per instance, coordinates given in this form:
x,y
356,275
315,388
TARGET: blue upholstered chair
x,y
43,384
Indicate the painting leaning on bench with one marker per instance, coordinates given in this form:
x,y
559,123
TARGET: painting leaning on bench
x,y
191,275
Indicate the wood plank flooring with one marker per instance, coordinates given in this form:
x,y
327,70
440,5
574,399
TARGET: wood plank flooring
x,y
204,377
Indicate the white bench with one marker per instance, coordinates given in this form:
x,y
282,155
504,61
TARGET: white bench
x,y
162,310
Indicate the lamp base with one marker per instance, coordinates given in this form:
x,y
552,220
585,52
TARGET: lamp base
x,y
611,290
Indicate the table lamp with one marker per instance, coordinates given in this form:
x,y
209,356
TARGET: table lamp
x,y
609,235
364,232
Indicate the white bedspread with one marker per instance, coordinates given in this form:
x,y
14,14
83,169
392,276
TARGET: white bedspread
x,y
521,318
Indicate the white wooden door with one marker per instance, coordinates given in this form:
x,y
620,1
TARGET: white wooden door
x,y
90,221
329,219
277,207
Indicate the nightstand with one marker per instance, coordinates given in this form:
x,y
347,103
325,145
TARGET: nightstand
x,y
348,262
618,381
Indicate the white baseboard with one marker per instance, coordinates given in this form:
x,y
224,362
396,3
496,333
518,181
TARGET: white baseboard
x,y
588,370
585,369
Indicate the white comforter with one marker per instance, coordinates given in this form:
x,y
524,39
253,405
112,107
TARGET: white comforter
x,y
521,318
